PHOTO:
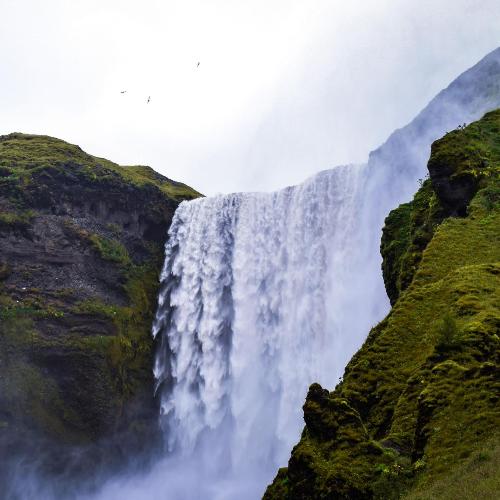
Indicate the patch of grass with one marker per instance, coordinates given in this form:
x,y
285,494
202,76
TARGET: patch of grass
x,y
448,333
24,157
472,151
476,477
18,218
29,308
110,249
142,175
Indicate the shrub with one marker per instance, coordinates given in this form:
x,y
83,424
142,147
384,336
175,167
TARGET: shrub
x,y
447,332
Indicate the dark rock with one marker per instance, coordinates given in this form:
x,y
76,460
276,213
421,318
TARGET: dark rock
x,y
81,247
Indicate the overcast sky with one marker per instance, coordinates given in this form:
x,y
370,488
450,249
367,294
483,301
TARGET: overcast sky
x,y
284,87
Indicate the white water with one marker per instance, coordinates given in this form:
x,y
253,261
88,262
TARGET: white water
x,y
255,306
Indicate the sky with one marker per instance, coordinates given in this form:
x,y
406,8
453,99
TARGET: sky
x,y
284,88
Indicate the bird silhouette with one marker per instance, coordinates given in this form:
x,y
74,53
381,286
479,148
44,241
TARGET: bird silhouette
x,y
149,99
123,91
198,64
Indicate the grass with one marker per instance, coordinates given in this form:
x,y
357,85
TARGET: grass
x,y
24,157
476,477
16,219
425,383
473,151
110,249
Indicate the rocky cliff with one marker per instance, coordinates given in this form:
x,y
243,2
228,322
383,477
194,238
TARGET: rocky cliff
x,y
81,246
416,414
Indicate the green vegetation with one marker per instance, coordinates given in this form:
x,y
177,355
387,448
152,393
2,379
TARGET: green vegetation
x,y
19,218
83,246
129,351
110,249
407,231
117,365
475,477
419,402
142,175
471,153
25,158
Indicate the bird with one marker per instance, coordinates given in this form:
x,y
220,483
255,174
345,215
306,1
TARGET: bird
x,y
123,91
149,98
198,64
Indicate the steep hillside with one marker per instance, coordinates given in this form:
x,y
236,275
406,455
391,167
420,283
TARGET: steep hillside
x,y
81,246
417,411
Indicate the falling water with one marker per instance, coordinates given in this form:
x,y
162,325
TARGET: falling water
x,y
253,309
263,294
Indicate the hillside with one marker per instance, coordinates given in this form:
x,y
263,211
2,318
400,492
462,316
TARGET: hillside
x,y
416,414
81,247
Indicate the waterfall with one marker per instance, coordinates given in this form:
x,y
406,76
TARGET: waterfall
x,y
254,308
262,294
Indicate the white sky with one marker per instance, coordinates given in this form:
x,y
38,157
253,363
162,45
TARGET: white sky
x,y
285,87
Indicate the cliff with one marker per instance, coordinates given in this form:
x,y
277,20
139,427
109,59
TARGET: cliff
x,y
416,414
81,247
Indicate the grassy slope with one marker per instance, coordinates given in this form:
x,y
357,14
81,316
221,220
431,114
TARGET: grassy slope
x,y
111,364
419,401
23,154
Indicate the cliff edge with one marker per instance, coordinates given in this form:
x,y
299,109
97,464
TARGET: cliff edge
x,y
417,412
81,247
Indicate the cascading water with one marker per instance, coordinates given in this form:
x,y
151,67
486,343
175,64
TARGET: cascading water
x,y
263,294
253,309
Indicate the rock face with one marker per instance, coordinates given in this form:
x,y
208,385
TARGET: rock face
x,y
417,412
81,246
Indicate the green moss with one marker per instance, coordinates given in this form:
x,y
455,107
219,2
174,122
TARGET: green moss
x,y
25,157
406,233
469,160
142,175
18,218
448,333
129,352
110,249
425,383
24,390
476,477
30,308
472,151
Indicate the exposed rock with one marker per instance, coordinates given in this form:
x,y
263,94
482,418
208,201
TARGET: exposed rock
x,y
81,247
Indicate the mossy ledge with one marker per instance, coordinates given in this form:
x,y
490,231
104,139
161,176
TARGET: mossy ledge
x,y
81,247
417,413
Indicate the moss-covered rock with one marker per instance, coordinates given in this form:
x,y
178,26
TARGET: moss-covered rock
x,y
81,247
420,398
462,162
406,233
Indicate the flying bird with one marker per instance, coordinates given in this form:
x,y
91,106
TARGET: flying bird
x,y
149,99
123,91
198,64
